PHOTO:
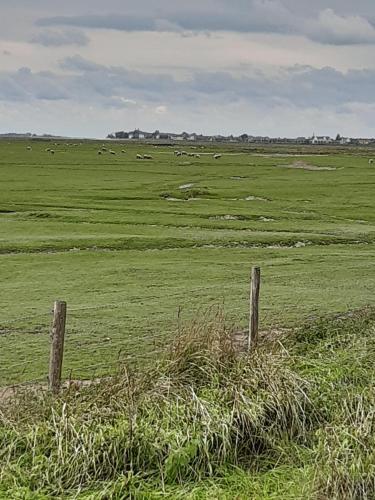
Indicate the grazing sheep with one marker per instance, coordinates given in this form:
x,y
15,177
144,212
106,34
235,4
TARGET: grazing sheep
x,y
217,156
147,157
139,157
177,153
123,151
29,148
184,153
197,155
52,152
112,152
104,149
47,150
99,152
371,161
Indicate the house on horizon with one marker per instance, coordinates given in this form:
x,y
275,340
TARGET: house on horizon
x,y
321,140
136,134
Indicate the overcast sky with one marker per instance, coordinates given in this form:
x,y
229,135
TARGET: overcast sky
x,y
265,67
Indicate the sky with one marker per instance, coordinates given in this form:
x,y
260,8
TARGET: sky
x,y
281,68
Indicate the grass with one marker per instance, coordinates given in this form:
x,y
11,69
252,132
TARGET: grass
x,y
295,419
139,249
102,233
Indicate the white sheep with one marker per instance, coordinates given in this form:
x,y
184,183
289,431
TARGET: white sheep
x,y
147,157
29,148
112,152
371,161
99,152
139,157
217,156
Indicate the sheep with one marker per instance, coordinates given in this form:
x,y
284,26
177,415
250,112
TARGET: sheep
x,y
177,153
99,152
112,152
197,155
123,151
184,153
52,152
371,161
29,148
147,157
104,149
217,156
139,157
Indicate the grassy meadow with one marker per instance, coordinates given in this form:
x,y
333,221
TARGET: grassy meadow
x,y
128,243
153,258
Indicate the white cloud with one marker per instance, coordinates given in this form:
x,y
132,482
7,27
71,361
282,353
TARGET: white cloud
x,y
161,110
336,29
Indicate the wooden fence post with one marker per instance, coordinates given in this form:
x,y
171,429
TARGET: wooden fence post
x,y
254,307
57,345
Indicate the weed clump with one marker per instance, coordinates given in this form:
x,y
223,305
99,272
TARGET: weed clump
x,y
204,411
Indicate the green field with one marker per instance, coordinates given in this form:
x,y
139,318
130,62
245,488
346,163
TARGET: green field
x,y
126,244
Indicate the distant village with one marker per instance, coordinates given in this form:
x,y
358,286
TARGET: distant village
x,y
245,138
170,137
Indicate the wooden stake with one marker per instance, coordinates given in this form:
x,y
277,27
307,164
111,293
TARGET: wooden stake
x,y
254,307
57,346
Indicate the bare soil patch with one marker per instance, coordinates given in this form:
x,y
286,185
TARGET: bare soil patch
x,y
306,166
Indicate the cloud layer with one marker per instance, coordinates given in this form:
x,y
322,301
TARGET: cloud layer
x,y
54,38
86,81
277,67
255,16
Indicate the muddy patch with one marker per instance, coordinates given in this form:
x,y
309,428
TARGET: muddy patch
x,y
227,217
255,198
169,198
298,244
266,219
306,166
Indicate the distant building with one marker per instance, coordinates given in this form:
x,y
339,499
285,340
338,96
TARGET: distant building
x,y
137,134
321,140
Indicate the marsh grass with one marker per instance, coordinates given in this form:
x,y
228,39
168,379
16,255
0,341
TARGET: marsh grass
x,y
207,420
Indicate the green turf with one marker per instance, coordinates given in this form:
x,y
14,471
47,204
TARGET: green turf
x,y
126,247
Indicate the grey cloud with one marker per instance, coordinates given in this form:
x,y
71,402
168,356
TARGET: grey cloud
x,y
99,85
325,25
52,38
259,15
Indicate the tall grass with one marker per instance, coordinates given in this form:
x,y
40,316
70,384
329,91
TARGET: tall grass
x,y
202,414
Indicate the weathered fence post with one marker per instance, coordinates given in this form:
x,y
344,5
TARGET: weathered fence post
x,y
254,307
57,345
